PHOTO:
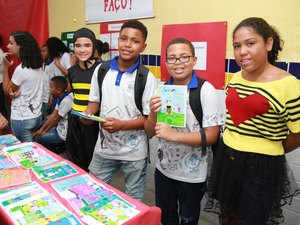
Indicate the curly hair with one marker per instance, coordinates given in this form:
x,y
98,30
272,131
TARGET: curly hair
x,y
56,47
261,27
29,53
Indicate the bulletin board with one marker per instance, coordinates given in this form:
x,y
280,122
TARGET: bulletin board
x,y
109,32
67,39
209,40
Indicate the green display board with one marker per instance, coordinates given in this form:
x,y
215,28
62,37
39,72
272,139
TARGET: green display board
x,y
67,38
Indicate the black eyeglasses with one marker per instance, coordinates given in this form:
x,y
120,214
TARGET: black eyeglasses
x,y
182,59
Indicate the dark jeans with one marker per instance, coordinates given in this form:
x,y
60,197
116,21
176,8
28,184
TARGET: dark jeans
x,y
81,141
171,194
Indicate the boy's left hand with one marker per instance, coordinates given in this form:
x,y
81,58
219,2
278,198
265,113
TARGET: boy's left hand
x,y
164,131
112,125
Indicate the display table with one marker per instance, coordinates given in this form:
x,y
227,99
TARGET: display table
x,y
147,215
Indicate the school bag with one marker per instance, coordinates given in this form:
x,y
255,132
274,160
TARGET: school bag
x,y
195,103
139,85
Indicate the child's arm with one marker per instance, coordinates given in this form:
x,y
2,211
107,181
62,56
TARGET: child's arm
x,y
149,126
52,121
166,132
291,142
113,125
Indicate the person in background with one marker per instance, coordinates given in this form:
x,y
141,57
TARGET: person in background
x,y
251,179
182,167
122,142
60,55
54,130
62,60
46,100
101,48
3,102
25,85
81,138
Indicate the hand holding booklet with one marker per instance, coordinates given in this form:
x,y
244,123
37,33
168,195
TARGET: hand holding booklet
x,y
89,117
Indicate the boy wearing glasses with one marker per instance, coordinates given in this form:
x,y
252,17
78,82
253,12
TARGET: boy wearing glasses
x,y
181,170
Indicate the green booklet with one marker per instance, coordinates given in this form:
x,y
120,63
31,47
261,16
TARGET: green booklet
x,y
173,108
89,117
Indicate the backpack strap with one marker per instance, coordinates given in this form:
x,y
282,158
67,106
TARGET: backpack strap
x,y
139,86
195,103
104,67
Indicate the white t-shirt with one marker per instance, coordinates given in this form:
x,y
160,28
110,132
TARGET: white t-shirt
x,y
53,70
118,102
28,104
183,162
63,109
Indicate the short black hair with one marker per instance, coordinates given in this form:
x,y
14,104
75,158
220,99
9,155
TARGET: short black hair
x,y
181,41
60,82
136,25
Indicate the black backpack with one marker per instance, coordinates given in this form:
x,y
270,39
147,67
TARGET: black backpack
x,y
139,85
195,103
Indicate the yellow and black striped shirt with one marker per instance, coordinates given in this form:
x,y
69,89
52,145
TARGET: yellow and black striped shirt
x,y
80,80
260,115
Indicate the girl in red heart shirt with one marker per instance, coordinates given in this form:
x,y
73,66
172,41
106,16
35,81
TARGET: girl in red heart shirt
x,y
251,180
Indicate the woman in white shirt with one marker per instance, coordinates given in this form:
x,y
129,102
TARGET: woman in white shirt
x,y
26,85
60,54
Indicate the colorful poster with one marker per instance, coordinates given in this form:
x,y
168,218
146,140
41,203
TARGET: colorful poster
x,y
173,105
5,161
93,201
8,140
53,171
13,177
28,154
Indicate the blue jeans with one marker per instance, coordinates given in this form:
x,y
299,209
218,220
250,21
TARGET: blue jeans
x,y
23,129
169,193
134,173
51,137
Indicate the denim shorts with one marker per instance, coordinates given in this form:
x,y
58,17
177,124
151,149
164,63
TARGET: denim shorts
x,y
134,173
23,129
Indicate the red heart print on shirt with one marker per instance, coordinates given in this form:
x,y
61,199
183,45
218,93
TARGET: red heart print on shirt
x,y
242,109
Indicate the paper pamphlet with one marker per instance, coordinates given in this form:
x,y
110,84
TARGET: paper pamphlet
x,y
13,177
89,117
173,108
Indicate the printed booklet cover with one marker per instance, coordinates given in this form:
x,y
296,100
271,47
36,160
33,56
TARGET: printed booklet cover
x,y
173,108
89,117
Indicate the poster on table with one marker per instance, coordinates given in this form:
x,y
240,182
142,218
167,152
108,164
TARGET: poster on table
x,y
209,40
97,11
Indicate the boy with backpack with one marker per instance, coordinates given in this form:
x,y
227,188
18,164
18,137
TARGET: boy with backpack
x,y
183,158
122,143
